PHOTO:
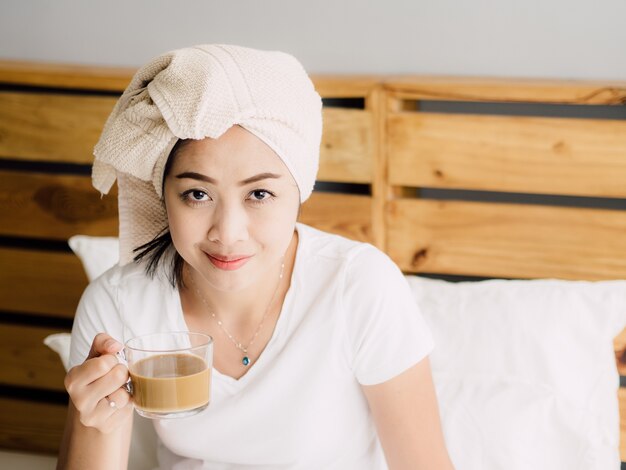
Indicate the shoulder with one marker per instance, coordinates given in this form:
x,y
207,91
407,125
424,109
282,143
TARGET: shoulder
x,y
107,300
375,310
132,275
356,266
121,288
319,245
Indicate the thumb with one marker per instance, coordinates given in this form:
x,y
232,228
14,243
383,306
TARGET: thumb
x,y
104,344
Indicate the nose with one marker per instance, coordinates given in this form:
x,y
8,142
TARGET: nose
x,y
229,225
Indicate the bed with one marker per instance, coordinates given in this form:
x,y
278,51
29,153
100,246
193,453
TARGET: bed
x,y
459,180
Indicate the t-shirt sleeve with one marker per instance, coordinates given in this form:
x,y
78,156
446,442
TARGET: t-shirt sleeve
x,y
385,328
97,312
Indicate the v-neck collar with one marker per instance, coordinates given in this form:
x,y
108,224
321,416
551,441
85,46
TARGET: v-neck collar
x,y
281,325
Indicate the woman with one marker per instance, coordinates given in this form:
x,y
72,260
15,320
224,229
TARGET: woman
x,y
320,354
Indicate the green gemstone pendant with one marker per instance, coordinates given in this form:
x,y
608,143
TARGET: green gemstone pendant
x,y
245,361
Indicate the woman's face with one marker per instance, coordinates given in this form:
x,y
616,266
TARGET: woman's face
x,y
232,207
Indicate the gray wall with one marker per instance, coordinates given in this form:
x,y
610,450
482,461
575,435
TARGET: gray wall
x,y
513,38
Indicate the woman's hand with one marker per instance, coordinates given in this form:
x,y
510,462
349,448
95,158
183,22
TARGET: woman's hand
x,y
95,387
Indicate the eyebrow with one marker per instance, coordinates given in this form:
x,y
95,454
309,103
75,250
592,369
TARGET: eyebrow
x,y
208,179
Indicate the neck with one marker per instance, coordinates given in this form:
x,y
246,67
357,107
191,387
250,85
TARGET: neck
x,y
240,307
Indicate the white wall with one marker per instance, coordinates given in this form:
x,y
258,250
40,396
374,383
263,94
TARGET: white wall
x,y
523,38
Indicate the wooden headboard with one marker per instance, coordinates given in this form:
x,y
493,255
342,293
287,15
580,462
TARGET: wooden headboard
x,y
451,176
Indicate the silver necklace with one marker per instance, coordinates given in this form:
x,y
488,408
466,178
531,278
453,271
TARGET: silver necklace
x,y
238,344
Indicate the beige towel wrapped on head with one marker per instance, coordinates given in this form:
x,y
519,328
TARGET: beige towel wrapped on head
x,y
200,92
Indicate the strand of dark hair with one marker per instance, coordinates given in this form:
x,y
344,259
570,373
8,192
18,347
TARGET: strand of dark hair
x,y
155,251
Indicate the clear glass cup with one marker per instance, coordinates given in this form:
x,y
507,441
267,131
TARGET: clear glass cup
x,y
170,373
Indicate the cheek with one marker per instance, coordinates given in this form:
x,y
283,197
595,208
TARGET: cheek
x,y
275,230
181,226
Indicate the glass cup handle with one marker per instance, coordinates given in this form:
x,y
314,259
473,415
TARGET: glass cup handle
x,y
121,358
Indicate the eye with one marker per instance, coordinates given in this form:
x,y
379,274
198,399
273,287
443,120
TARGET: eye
x,y
195,196
261,195
198,195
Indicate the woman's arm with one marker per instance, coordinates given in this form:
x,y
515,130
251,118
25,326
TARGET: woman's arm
x,y
407,420
97,434
86,447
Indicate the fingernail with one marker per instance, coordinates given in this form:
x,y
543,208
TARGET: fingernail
x,y
109,343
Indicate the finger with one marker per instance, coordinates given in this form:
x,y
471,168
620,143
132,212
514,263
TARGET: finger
x,y
120,398
104,386
89,371
111,402
104,344
87,397
103,415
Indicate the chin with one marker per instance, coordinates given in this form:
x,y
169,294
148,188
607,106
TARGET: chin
x,y
228,281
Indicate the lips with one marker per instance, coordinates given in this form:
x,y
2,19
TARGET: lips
x,y
228,263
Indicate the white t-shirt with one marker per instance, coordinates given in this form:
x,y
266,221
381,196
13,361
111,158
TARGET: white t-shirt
x,y
348,319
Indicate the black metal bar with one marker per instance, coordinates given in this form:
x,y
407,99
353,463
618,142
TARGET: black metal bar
x,y
34,394
348,188
10,87
349,103
35,320
520,198
34,166
576,111
41,244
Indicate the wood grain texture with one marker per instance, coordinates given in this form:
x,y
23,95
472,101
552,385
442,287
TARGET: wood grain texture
x,y
54,206
506,240
346,152
25,361
376,104
347,86
46,283
516,154
81,77
116,79
50,126
344,214
31,426
506,90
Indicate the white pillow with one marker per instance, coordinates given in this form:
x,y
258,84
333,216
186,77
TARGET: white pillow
x,y
97,255
525,371
60,344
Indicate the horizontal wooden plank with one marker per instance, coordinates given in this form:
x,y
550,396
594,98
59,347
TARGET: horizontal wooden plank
x,y
46,283
466,88
65,128
31,426
346,153
25,361
516,154
506,240
43,74
74,76
54,206
345,86
51,127
506,90
344,214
